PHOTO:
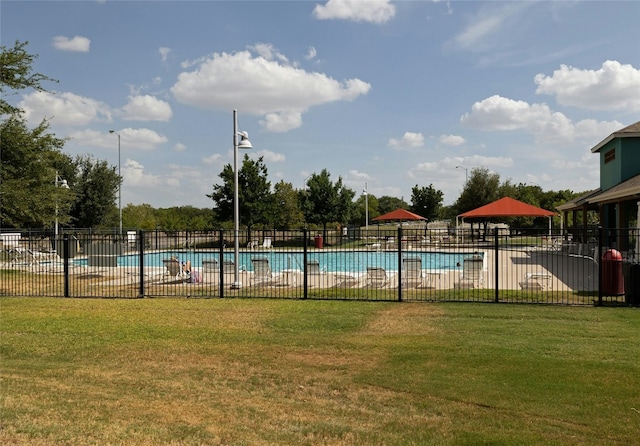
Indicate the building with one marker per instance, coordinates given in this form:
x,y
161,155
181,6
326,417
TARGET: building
x,y
617,200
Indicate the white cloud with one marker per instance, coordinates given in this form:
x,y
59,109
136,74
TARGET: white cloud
x,y
270,156
311,54
613,87
146,108
141,139
213,159
379,11
259,86
135,175
77,44
268,51
500,114
179,147
486,28
409,139
164,53
64,109
451,140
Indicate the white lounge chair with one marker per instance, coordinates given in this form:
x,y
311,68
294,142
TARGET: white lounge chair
x,y
412,275
536,281
376,277
262,273
175,271
471,276
266,243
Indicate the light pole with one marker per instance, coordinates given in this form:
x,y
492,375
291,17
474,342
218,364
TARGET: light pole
x,y
466,177
119,188
242,143
366,209
63,184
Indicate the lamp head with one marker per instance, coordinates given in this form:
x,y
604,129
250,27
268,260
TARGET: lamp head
x,y
244,142
64,184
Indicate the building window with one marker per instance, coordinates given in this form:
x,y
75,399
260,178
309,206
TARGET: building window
x,y
610,156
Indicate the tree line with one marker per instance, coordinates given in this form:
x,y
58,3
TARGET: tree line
x,y
33,166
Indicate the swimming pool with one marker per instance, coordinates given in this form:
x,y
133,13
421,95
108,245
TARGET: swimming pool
x,y
330,261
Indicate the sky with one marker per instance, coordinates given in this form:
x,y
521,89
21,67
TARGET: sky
x,y
386,95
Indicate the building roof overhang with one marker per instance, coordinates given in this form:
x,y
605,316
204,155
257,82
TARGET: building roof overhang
x,y
631,131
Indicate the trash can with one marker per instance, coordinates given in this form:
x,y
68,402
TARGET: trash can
x,y
612,279
632,283
318,242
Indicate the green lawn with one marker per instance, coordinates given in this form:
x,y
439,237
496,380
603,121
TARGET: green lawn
x,y
252,371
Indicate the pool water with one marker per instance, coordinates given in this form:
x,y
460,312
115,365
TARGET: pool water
x,y
330,261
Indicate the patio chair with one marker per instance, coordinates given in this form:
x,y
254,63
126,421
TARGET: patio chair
x,y
536,281
262,273
412,276
376,277
175,270
266,243
471,276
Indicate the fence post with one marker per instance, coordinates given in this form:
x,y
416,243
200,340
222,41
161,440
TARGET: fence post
x,y
141,262
599,263
221,261
496,263
305,284
65,258
400,263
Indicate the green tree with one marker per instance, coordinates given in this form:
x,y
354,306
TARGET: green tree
x,y
254,193
96,187
16,73
426,201
481,188
286,211
139,216
30,161
387,204
324,202
362,204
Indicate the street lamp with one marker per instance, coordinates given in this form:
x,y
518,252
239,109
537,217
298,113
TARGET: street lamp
x,y
240,141
466,177
119,188
366,209
63,184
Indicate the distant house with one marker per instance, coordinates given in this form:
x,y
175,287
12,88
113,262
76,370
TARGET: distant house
x,y
617,200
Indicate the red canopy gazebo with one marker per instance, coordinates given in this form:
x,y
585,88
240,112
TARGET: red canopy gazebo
x,y
399,215
508,207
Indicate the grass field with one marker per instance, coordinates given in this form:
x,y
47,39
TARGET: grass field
x,y
285,372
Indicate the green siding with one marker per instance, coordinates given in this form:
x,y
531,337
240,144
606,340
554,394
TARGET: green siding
x,y
630,158
610,172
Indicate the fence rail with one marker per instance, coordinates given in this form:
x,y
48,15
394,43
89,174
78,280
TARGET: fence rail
x,y
385,263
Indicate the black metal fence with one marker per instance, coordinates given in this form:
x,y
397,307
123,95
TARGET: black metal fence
x,y
574,267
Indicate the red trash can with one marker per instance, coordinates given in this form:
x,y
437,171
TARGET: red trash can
x,y
612,278
318,242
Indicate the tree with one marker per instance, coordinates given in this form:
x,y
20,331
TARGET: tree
x,y
96,186
254,193
16,74
426,201
387,204
325,202
286,212
481,188
364,202
30,161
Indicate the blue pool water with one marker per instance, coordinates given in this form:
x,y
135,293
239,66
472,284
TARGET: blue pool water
x,y
331,261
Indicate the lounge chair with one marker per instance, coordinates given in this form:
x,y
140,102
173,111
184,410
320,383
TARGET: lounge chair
x,y
262,273
318,277
536,281
175,271
376,277
471,276
412,276
266,243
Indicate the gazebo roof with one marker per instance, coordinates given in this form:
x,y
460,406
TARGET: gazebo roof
x,y
507,207
399,215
